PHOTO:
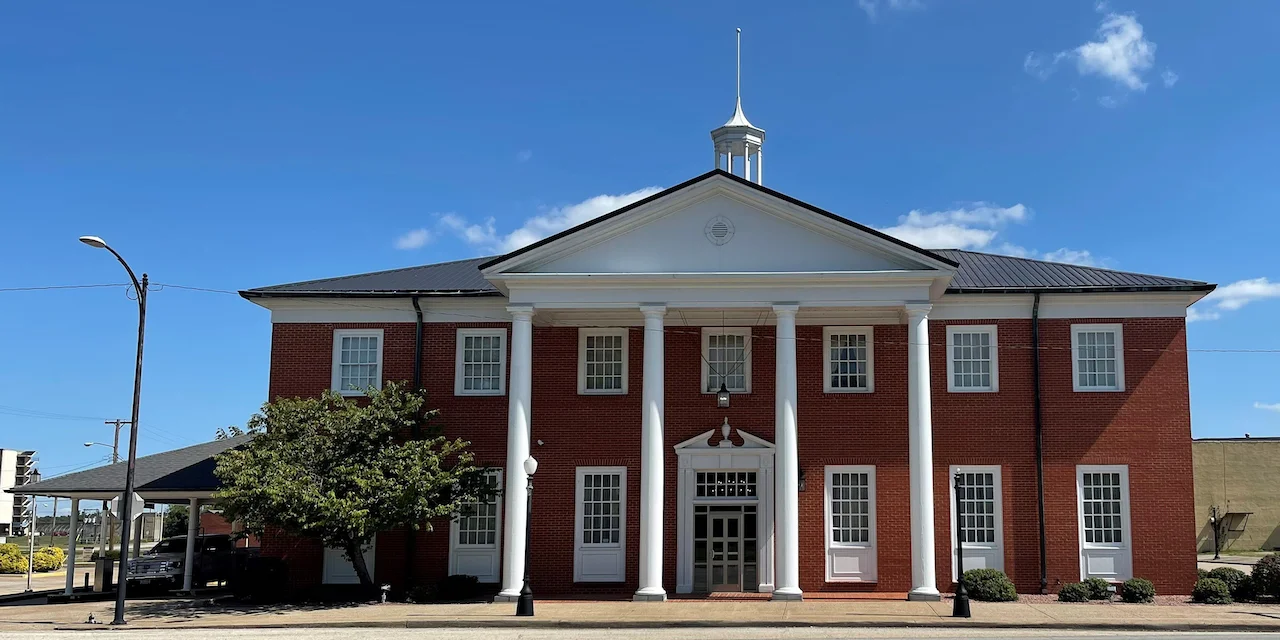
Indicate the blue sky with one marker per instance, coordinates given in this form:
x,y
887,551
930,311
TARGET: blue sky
x,y
228,148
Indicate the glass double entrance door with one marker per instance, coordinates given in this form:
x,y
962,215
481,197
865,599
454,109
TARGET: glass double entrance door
x,y
725,548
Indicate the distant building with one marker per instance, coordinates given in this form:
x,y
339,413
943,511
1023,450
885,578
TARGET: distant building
x,y
1238,476
16,468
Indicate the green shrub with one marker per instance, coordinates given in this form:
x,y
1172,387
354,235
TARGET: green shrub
x,y
10,563
114,554
1099,589
1211,591
47,560
458,587
1237,582
1138,590
1201,574
1074,592
56,551
989,585
10,549
1266,576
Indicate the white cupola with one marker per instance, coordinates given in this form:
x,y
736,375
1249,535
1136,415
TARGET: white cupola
x,y
739,139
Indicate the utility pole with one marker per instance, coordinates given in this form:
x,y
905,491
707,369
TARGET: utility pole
x,y
115,457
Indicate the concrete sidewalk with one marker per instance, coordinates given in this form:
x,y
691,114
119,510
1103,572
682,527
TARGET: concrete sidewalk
x,y
188,614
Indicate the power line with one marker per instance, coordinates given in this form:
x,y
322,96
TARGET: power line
x,y
43,415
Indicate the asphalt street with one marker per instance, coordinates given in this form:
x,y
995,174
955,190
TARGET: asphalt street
x,y
628,634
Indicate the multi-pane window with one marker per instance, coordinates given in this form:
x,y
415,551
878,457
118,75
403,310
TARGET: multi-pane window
x,y
726,355
1097,357
1100,505
601,508
481,362
971,358
850,507
977,507
477,522
847,359
600,536
357,360
725,484
602,361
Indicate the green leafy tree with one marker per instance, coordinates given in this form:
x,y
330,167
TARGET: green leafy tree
x,y
339,470
175,521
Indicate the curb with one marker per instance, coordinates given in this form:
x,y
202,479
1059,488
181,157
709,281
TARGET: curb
x,y
694,624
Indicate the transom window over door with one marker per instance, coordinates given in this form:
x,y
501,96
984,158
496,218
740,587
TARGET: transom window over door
x,y
481,362
851,523
357,360
847,360
600,551
981,511
475,535
972,358
1097,362
1105,536
726,357
602,361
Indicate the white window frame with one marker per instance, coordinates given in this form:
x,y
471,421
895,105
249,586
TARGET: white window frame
x,y
1119,554
583,333
707,332
593,553
458,364
992,553
459,553
866,552
989,329
335,382
827,332
1076,329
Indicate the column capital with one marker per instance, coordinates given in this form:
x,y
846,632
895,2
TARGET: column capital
x,y
785,308
520,311
917,309
650,309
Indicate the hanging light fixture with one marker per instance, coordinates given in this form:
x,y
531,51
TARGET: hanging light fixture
x,y
722,396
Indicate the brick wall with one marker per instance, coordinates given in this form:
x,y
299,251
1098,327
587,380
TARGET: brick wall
x,y
1147,427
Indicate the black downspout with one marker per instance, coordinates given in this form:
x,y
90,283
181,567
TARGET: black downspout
x,y
1035,378
411,534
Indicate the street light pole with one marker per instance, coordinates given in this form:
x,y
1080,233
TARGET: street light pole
x,y
960,608
126,499
524,603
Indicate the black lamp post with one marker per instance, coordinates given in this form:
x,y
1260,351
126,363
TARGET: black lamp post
x,y
524,604
126,515
961,605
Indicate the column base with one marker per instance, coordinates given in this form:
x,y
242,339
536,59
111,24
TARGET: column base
x,y
504,596
650,595
924,594
788,593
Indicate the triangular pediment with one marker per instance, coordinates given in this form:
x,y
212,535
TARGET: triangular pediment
x,y
718,223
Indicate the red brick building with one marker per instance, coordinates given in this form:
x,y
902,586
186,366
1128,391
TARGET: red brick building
x,y
862,374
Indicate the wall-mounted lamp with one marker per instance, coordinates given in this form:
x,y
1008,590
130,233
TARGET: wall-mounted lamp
x,y
722,396
801,483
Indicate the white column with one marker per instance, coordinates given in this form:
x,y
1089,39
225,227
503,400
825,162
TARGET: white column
x,y
920,429
71,545
519,393
193,530
652,469
746,162
759,165
787,473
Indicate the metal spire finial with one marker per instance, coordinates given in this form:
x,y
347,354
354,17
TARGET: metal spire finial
x,y
738,90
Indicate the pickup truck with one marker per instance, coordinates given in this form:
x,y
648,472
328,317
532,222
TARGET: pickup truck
x,y
215,559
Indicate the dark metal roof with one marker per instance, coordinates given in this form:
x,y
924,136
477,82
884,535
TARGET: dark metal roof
x,y
187,469
993,273
459,277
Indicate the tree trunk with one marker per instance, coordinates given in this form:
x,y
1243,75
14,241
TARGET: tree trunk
x,y
355,553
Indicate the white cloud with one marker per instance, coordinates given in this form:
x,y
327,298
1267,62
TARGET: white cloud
x,y
872,7
414,239
1267,407
970,227
1120,53
1071,256
485,235
1232,297
524,155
